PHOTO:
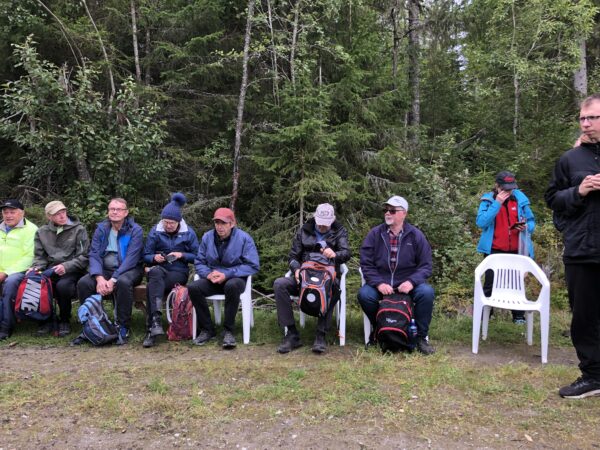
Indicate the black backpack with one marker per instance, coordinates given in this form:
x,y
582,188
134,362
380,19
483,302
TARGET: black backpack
x,y
316,288
394,322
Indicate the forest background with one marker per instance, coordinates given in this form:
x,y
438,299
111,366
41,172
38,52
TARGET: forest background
x,y
273,107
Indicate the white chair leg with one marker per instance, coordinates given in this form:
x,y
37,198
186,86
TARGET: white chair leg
x,y
342,321
485,322
529,319
194,325
366,327
246,318
477,313
217,310
544,331
302,319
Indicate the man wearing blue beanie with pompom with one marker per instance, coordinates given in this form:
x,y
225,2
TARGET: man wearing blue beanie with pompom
x,y
170,247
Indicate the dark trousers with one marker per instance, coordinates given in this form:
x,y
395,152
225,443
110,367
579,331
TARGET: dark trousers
x,y
65,290
122,294
200,289
10,286
488,283
584,298
160,282
284,288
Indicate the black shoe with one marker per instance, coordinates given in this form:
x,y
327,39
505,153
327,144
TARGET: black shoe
x,y
372,341
319,345
4,335
44,329
77,341
64,329
156,329
291,341
423,346
149,341
203,337
581,388
229,340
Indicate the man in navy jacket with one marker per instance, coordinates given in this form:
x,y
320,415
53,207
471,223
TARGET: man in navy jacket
x,y
396,257
226,257
115,264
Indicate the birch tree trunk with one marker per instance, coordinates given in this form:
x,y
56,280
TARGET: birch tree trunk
x,y
273,55
136,54
580,76
414,70
240,110
294,43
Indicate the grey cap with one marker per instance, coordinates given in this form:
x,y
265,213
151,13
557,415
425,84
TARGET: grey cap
x,y
397,202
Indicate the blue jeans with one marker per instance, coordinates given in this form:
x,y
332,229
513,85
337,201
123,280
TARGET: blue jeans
x,y
423,296
7,301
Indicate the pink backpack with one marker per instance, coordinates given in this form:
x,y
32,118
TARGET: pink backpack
x,y
181,314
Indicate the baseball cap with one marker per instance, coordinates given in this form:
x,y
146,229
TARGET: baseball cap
x,y
506,180
225,215
324,215
397,202
12,203
53,207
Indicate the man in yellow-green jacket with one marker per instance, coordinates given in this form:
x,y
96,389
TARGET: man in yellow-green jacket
x,y
16,256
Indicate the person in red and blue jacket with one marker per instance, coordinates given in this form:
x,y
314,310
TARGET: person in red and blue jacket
x,y
395,257
507,222
115,264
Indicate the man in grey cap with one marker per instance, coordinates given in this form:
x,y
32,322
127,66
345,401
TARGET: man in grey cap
x,y
395,257
16,253
61,245
322,235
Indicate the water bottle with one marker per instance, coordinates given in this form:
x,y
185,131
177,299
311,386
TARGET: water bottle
x,y
412,332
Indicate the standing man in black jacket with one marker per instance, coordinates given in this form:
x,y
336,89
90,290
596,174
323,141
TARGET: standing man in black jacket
x,y
320,234
574,196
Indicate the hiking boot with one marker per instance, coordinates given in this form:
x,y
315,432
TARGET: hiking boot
x,y
319,345
4,335
123,337
64,329
156,329
423,346
582,387
291,341
203,337
77,341
149,340
44,329
229,340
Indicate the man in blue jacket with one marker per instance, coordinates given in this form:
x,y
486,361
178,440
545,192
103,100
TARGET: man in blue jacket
x,y
170,247
115,264
395,257
226,257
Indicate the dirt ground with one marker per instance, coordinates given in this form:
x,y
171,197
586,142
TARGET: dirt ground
x,y
53,429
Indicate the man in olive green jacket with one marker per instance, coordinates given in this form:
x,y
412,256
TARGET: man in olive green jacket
x,y
62,245
16,254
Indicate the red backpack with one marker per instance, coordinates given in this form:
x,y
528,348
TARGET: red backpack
x,y
181,314
34,297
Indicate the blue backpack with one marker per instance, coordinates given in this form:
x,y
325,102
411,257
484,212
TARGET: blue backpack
x,y
97,327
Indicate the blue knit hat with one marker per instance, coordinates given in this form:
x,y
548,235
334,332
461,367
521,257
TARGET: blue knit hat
x,y
173,209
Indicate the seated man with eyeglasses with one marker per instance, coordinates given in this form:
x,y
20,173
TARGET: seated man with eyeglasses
x,y
395,257
115,260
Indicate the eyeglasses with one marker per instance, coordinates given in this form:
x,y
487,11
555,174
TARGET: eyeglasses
x,y
117,209
588,118
392,211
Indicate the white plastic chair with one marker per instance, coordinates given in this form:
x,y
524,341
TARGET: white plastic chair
x,y
247,311
340,306
508,292
367,327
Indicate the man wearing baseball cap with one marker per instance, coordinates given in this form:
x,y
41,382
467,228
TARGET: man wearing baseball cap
x,y
395,257
61,245
320,235
226,258
16,254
